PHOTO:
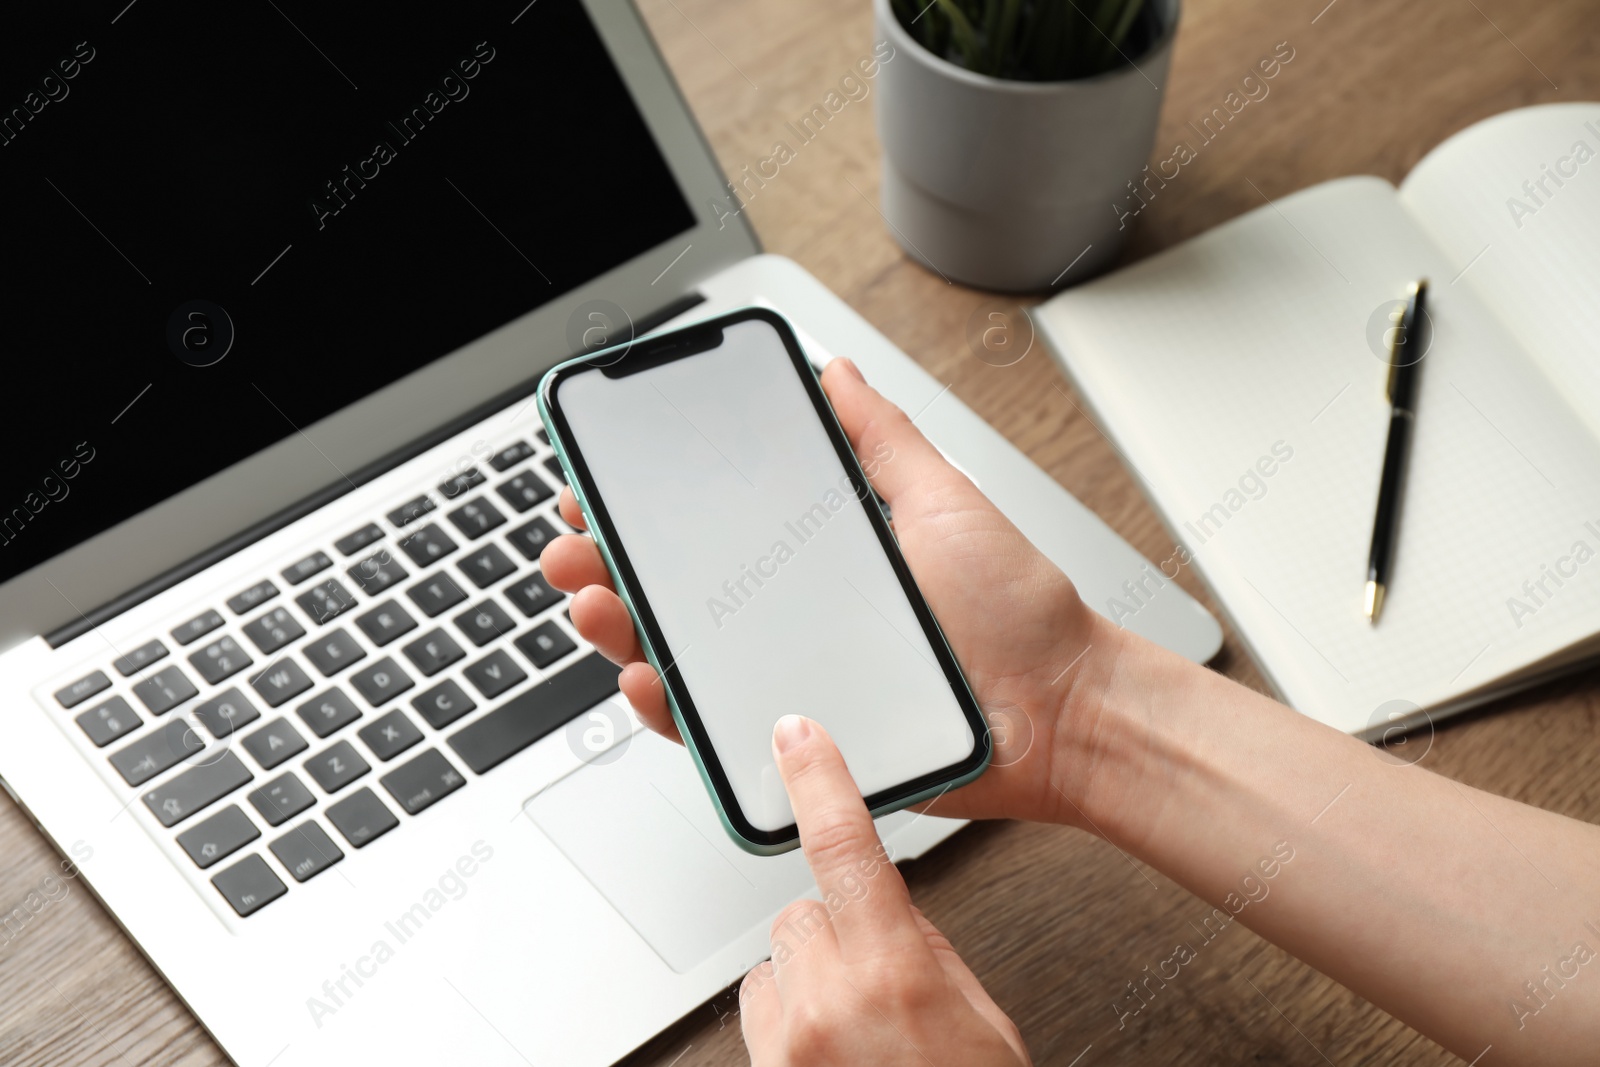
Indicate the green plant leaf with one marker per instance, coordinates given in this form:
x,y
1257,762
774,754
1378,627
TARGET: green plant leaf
x,y
963,38
1003,51
1028,40
1118,32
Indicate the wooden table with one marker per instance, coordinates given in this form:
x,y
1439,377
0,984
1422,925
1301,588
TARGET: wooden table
x,y
1053,921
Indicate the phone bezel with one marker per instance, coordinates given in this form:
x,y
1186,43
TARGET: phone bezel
x,y
685,343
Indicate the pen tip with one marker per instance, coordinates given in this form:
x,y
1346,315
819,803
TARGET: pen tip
x,y
1374,601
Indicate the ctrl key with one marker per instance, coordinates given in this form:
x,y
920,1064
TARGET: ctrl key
x,y
306,851
249,885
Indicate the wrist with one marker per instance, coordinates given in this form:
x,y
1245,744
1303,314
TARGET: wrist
x,y
1090,734
1117,750
1150,744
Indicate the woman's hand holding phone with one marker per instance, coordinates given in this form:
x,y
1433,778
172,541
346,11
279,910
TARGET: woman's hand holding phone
x,y
872,980
1015,622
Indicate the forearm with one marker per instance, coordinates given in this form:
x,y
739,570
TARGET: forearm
x,y
1435,901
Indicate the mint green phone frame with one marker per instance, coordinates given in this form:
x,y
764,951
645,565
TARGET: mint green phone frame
x,y
746,836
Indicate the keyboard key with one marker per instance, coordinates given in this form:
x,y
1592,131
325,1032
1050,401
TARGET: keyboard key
x,y
476,517
484,623
70,696
197,627
381,682
226,712
165,690
220,659
436,594
337,766
109,721
306,851
443,704
545,644
428,545
361,817
467,480
527,717
253,597
147,757
531,538
486,565
274,743
422,782
197,788
377,572
410,511
390,735
510,456
494,674
326,601
140,658
273,630
281,681
333,652
386,622
218,836
532,594
281,799
553,465
316,563
543,437
249,885
328,712
525,490
433,652
351,543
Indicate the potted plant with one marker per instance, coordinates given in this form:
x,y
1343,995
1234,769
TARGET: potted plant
x,y
1013,129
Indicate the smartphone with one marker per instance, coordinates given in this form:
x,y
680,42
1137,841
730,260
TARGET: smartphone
x,y
761,571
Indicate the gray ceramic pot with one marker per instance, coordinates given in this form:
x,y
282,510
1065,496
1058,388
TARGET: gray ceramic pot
x,y
1004,184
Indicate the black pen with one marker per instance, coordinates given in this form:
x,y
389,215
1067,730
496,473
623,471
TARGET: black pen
x,y
1404,368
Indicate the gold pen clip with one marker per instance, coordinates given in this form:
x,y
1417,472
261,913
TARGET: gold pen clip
x,y
1400,333
1397,318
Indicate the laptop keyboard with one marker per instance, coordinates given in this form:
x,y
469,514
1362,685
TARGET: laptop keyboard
x,y
353,689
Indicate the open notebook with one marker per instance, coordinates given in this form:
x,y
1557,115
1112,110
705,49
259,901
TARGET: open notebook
x,y
1239,374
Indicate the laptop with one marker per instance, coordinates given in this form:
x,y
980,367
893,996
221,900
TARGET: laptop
x,y
280,673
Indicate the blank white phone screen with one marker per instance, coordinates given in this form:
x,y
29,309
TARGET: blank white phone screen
x,y
768,581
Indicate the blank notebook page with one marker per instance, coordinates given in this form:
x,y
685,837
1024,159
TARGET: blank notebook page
x,y
1200,360
1494,200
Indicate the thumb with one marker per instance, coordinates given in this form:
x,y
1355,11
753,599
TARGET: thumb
x,y
903,465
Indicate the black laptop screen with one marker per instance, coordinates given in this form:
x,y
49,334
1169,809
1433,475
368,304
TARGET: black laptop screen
x,y
226,221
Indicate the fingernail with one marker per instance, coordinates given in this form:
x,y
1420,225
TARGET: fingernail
x,y
850,366
791,731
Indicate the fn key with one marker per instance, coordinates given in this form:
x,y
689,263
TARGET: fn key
x,y
421,782
249,885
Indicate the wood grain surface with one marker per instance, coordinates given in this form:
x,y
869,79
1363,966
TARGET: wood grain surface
x,y
1054,922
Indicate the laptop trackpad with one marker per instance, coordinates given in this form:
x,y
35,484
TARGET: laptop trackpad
x,y
643,831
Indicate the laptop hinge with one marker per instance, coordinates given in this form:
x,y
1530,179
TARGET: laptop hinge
x,y
361,476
